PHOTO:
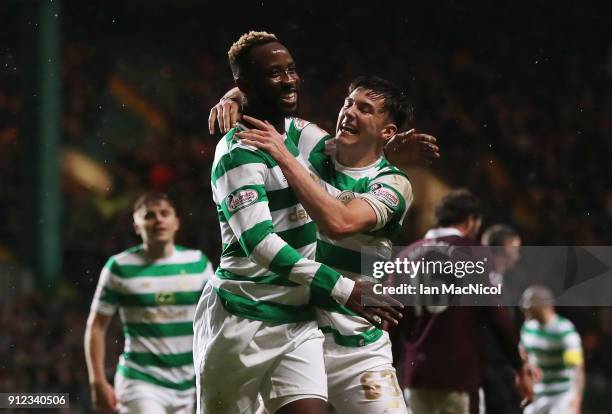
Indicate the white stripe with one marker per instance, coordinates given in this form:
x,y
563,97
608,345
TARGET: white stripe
x,y
245,174
275,179
304,271
155,284
177,257
345,324
157,314
170,345
267,249
287,218
246,218
287,295
363,243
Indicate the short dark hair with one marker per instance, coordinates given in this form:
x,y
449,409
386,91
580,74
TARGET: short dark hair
x,y
395,101
239,51
456,207
498,234
151,197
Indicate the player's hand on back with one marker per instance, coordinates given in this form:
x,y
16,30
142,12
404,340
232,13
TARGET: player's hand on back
x,y
226,112
379,308
103,397
411,147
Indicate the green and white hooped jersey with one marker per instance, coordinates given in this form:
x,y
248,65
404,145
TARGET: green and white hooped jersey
x,y
556,349
156,302
389,192
266,271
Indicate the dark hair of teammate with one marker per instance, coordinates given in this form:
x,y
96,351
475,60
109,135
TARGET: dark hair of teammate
x,y
456,207
396,101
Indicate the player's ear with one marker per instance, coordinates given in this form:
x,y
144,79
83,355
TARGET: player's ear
x,y
389,132
136,230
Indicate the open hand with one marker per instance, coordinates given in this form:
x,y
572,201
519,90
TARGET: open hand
x,y
226,112
265,137
411,147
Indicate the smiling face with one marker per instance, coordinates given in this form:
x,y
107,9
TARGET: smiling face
x,y
273,79
363,120
156,222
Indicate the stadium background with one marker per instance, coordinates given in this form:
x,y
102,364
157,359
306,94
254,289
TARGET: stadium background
x,y
101,100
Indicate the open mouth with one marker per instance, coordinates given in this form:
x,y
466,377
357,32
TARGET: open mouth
x,y
290,97
347,129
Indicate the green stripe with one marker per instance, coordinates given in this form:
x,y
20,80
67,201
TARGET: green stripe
x,y
132,373
109,296
300,236
327,303
293,133
264,310
550,352
284,260
265,279
354,341
158,330
546,334
280,199
551,392
161,298
221,215
554,380
261,197
324,280
175,269
160,360
296,238
253,236
338,257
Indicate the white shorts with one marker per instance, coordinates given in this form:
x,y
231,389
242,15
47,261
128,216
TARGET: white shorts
x,y
237,358
362,379
136,397
552,404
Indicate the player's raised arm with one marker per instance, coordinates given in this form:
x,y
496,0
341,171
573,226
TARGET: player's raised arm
x,y
335,218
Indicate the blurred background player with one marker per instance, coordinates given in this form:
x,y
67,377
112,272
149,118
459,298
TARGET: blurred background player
x,y
255,328
358,200
500,394
439,346
554,346
155,286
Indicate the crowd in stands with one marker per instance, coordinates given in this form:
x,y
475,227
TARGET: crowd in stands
x,y
522,118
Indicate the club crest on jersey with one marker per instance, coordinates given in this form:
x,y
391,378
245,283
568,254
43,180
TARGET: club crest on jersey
x,y
164,298
346,196
240,199
385,195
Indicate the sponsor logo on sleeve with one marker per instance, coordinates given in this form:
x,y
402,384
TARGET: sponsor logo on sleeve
x,y
385,195
240,199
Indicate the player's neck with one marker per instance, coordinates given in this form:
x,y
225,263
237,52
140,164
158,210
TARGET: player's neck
x,y
277,120
547,316
156,251
356,157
